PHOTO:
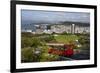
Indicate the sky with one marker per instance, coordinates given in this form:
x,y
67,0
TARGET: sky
x,y
34,16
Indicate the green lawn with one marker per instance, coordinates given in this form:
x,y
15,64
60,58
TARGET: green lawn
x,y
66,38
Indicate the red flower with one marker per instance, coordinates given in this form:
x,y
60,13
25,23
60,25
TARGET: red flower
x,y
68,52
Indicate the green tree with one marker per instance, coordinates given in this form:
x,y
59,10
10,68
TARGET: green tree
x,y
26,42
36,42
27,55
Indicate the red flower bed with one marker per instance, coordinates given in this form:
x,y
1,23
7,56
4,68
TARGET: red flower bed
x,y
67,52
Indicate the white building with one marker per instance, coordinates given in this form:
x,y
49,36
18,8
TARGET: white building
x,y
74,28
47,31
80,29
27,30
60,28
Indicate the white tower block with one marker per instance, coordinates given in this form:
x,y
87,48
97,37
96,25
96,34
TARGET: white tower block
x,y
73,28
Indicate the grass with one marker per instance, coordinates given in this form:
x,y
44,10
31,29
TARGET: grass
x,y
66,38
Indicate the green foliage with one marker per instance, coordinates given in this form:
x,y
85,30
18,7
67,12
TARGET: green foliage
x,y
66,38
48,39
85,41
26,34
53,33
36,42
64,33
27,55
45,57
26,42
30,43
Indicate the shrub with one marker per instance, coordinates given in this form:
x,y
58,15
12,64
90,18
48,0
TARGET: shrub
x,y
27,55
26,42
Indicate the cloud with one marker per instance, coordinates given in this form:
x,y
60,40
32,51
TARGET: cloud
x,y
51,16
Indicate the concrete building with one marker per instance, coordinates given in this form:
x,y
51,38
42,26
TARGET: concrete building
x,y
72,28
59,28
26,30
82,29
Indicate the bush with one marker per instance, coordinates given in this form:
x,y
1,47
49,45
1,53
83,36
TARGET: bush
x,y
64,33
27,55
30,42
48,38
25,42
26,34
36,42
